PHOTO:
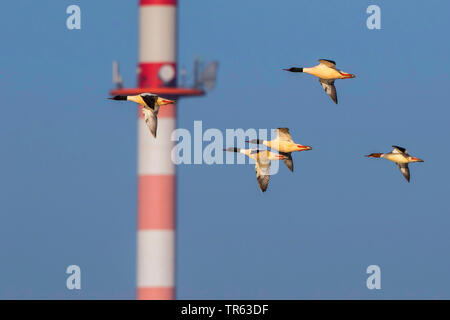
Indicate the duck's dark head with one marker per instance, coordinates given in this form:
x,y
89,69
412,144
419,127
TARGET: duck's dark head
x,y
293,69
118,98
232,149
255,141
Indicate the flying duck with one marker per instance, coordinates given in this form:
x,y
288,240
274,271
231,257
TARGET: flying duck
x,y
400,156
284,144
326,72
150,107
262,163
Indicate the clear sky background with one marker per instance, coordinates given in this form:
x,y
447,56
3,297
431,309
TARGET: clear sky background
x,y
68,161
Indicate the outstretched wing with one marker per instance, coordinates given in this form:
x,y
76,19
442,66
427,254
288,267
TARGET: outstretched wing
x,y
150,100
398,149
288,160
262,174
151,120
330,89
405,170
328,63
283,134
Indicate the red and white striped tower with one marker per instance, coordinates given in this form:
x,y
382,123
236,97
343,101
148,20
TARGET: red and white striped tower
x,y
156,171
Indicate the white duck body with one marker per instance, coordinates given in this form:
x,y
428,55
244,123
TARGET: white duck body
x,y
324,72
395,157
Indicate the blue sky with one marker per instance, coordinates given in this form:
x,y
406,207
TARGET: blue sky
x,y
68,166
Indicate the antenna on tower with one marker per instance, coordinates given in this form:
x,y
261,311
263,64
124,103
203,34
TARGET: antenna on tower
x,y
209,75
117,79
205,77
197,65
183,76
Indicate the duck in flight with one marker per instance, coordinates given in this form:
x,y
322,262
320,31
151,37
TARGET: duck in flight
x,y
401,157
327,73
262,163
150,107
284,144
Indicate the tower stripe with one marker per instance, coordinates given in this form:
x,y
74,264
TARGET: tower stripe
x,y
156,205
158,2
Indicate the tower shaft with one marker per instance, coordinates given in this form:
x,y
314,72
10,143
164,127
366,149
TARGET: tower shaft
x,y
156,171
